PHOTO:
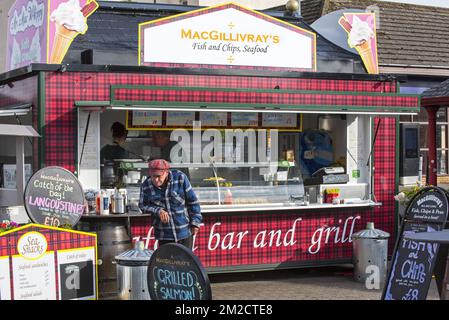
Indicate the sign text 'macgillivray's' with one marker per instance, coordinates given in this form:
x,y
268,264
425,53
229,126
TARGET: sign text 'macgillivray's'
x,y
430,198
231,36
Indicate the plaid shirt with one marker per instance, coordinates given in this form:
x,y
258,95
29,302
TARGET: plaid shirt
x,y
178,199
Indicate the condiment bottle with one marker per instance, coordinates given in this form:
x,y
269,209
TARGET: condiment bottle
x,y
104,203
228,197
98,203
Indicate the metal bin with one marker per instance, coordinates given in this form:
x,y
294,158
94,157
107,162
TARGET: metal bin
x,y
132,266
370,248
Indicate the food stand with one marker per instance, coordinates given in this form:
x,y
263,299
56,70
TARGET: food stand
x,y
265,214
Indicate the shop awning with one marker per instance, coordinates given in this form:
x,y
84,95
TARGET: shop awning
x,y
14,130
130,97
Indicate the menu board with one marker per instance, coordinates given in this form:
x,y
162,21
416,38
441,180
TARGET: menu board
x,y
47,263
34,279
213,119
76,271
413,262
146,118
279,120
175,273
180,118
153,120
54,197
244,119
5,288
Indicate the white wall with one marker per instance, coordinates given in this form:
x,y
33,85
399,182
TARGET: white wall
x,y
5,5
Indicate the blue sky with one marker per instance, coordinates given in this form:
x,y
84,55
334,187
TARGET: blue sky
x,y
435,3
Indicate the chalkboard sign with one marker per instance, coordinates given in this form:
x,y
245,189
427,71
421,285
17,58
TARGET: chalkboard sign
x,y
413,262
429,206
175,273
54,197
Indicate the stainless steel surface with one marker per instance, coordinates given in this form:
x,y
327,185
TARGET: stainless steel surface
x,y
371,233
132,266
370,253
132,283
118,203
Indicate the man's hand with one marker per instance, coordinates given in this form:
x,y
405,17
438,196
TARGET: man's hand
x,y
165,217
194,230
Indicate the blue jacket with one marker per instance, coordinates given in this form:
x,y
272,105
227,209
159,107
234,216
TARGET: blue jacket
x,y
178,199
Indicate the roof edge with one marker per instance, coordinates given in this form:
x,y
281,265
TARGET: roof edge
x,y
35,68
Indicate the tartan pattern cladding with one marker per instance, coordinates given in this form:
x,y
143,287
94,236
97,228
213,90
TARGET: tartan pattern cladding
x,y
255,98
384,176
295,238
56,240
63,89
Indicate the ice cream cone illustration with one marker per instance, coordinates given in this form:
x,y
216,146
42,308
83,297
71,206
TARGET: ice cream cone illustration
x,y
70,20
61,43
364,50
359,37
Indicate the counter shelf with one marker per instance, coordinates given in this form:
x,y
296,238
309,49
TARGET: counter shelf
x,y
283,207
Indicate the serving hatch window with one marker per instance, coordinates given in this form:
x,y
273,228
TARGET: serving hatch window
x,y
239,158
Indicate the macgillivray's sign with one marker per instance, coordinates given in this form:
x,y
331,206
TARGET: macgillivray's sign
x,y
226,35
41,31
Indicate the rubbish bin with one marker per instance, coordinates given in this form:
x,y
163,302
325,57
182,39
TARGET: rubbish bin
x,y
370,248
132,266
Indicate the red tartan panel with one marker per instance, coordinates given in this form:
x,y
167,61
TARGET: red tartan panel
x,y
56,240
262,98
385,174
23,91
244,239
63,89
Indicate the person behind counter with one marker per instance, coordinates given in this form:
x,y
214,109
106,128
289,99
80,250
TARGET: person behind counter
x,y
115,150
162,140
169,197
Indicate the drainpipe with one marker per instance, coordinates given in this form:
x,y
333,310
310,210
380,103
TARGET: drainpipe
x,y
432,144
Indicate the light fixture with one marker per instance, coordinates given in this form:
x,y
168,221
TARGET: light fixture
x,y
15,110
271,110
19,112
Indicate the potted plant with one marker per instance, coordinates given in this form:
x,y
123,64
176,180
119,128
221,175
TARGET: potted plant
x,y
405,196
7,225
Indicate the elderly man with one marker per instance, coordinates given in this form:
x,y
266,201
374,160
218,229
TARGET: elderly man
x,y
169,197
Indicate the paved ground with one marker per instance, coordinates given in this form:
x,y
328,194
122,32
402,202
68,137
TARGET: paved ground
x,y
325,283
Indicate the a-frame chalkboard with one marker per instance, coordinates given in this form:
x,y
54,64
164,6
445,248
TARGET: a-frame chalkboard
x,y
413,262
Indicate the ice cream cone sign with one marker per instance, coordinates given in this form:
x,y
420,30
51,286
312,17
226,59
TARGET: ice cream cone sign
x,y
68,19
361,31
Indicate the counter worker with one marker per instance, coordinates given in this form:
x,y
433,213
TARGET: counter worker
x,y
115,150
174,206
162,140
